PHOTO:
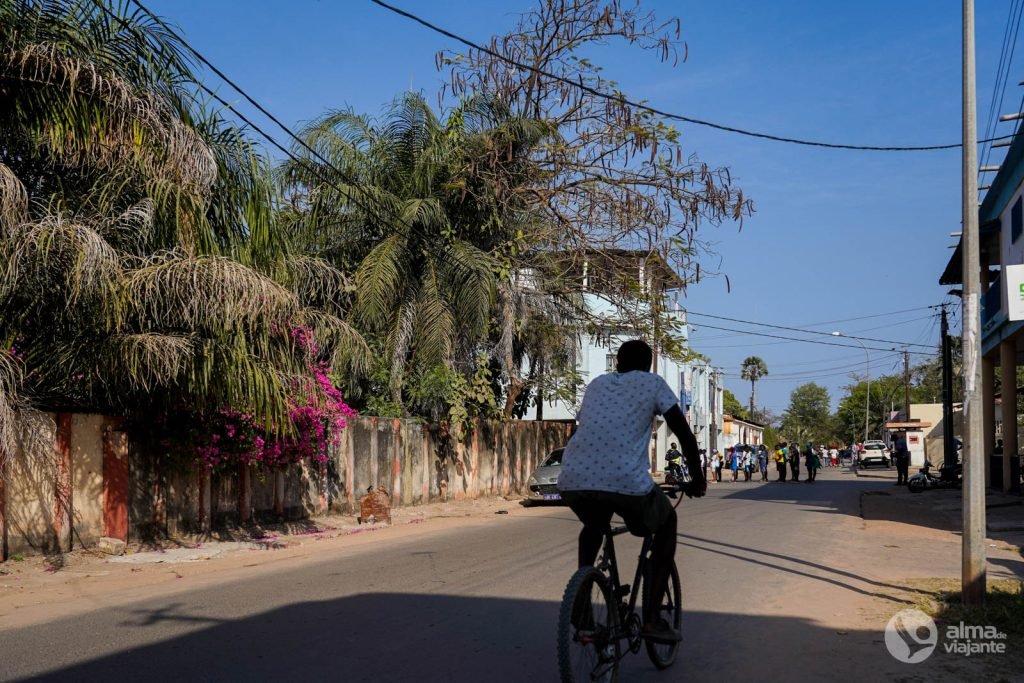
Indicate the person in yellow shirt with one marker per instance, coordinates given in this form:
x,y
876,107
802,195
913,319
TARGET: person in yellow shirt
x,y
780,461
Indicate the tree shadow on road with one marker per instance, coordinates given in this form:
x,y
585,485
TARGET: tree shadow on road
x,y
814,570
423,638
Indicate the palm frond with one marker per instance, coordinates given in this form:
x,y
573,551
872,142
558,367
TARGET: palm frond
x,y
316,281
436,330
144,361
13,200
61,253
11,373
347,348
378,280
210,293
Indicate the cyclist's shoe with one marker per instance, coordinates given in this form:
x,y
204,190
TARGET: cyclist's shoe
x,y
661,632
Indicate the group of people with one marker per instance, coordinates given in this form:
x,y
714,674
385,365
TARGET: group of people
x,y
742,461
746,461
787,456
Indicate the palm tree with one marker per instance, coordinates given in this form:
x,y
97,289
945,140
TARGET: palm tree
x,y
752,369
424,213
142,264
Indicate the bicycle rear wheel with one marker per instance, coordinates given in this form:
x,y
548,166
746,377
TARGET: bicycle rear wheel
x,y
671,610
588,647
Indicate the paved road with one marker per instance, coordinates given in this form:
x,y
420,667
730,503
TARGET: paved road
x,y
480,602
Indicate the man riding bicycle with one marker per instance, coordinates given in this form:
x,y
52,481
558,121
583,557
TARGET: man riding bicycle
x,y
605,469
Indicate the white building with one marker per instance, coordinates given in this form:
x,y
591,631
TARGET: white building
x,y
737,432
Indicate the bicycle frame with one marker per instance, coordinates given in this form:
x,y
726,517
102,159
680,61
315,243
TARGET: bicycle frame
x,y
609,565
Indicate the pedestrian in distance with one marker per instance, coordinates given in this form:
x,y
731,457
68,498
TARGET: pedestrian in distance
x,y
813,463
716,466
901,456
734,463
748,463
780,461
833,455
794,461
762,461
704,462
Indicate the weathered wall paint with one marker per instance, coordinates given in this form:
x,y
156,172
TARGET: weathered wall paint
x,y
86,464
96,480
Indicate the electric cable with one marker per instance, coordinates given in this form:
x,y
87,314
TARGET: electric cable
x,y
795,329
618,99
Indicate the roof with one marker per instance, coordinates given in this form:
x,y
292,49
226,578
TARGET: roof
x,y
998,196
730,418
628,260
953,274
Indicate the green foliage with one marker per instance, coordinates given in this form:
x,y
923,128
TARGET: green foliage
x,y
731,406
143,268
886,396
808,415
752,369
771,437
429,216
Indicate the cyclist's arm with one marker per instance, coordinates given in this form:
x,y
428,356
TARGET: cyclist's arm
x,y
676,421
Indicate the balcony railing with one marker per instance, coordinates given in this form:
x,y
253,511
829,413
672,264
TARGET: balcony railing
x,y
992,307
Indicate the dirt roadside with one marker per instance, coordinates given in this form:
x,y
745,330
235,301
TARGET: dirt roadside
x,y
891,558
39,589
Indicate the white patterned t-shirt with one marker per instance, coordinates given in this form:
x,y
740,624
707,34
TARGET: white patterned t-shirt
x,y
609,451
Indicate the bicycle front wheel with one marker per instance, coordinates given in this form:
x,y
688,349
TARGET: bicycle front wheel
x,y
671,610
588,644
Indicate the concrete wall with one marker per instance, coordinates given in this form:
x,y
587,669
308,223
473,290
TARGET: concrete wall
x,y
29,489
415,463
418,463
87,475
35,499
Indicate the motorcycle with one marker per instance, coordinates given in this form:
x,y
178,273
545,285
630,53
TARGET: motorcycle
x,y
949,477
675,473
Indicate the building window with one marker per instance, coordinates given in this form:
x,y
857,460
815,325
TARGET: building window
x,y
609,362
1016,221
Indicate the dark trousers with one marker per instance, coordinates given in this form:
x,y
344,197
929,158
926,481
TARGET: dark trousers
x,y
811,473
794,466
902,469
782,470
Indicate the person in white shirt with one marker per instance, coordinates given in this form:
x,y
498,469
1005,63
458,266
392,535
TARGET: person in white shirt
x,y
605,468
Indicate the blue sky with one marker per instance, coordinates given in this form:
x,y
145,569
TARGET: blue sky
x,y
835,235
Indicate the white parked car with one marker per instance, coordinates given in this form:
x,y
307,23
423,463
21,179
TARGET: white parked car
x,y
874,453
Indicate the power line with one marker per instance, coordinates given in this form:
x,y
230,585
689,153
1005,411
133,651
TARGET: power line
x,y
796,329
811,341
665,114
865,317
864,329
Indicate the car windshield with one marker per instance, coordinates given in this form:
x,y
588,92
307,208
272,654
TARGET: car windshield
x,y
554,459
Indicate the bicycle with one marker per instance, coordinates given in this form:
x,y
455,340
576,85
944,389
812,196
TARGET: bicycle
x,y
595,619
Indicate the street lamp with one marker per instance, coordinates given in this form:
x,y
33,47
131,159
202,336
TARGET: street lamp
x,y
867,400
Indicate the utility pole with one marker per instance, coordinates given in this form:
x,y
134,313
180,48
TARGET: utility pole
x,y
973,551
948,450
906,385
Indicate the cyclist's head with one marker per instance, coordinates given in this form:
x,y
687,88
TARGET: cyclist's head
x,y
634,355
673,444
